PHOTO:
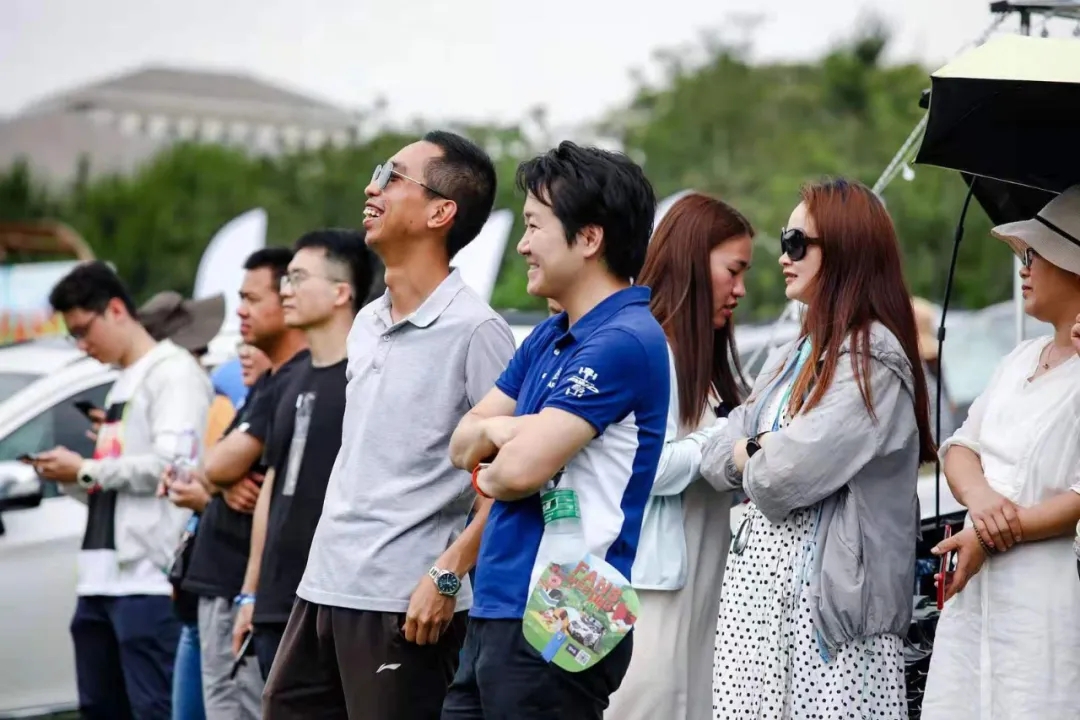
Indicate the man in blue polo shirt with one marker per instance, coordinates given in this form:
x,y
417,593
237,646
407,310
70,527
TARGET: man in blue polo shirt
x,y
586,393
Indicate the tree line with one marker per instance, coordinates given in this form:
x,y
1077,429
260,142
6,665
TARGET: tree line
x,y
750,133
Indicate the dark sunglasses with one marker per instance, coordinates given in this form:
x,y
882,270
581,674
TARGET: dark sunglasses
x,y
1026,257
383,173
794,242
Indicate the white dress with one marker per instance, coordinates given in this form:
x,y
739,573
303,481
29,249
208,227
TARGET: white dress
x,y
1008,645
767,661
669,677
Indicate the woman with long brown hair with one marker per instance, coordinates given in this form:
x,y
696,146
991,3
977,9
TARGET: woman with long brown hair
x,y
817,591
695,267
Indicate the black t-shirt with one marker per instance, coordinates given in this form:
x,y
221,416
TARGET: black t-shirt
x,y
223,540
305,436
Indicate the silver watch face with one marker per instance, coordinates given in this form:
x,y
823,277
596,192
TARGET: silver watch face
x,y
447,583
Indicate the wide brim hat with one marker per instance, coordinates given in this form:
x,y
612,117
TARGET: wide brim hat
x,y
1054,233
191,324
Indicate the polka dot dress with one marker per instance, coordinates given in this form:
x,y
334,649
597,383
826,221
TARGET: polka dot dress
x,y
767,662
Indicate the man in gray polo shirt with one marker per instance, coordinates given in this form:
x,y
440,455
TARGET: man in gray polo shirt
x,y
380,614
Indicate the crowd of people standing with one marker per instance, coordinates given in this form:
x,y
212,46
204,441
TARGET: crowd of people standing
x,y
361,539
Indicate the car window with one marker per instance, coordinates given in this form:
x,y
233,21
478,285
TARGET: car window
x,y
11,382
60,424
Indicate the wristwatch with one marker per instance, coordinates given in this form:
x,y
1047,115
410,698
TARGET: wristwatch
x,y
446,582
84,479
752,446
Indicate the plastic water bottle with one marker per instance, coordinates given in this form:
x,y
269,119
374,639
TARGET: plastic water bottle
x,y
185,456
564,538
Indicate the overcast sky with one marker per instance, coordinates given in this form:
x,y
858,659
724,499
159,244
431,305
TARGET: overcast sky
x,y
475,59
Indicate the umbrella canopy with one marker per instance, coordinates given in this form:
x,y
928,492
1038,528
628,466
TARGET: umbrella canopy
x,y
1008,110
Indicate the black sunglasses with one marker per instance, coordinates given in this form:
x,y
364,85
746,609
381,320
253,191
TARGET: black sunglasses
x,y
383,173
1026,257
794,242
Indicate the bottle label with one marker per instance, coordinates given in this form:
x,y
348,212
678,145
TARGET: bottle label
x,y
559,504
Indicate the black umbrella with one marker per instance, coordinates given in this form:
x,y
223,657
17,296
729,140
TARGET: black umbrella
x,y
1009,110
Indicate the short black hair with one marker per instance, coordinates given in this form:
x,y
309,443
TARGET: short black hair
x,y
348,248
466,175
90,286
589,186
274,259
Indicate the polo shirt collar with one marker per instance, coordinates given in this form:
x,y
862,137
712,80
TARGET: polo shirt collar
x,y
432,307
599,315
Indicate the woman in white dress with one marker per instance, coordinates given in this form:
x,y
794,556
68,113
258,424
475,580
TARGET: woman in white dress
x,y
695,267
817,592
1008,641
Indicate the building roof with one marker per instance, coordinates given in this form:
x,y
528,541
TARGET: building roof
x,y
224,96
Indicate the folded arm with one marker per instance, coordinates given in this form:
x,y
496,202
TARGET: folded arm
x,y
680,461
718,454
542,446
1056,517
476,439
820,451
232,457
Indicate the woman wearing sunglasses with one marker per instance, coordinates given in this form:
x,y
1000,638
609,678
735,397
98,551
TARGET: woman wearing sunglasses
x,y
1008,641
817,592
696,267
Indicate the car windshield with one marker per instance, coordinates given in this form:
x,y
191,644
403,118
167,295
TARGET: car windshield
x,y
11,383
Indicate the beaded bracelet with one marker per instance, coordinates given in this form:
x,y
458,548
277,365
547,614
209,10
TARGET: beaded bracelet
x,y
988,549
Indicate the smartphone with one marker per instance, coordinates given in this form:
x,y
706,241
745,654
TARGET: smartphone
x,y
85,407
27,458
945,570
240,658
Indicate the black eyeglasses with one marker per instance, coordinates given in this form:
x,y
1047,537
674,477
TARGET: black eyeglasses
x,y
794,242
383,173
1026,257
77,334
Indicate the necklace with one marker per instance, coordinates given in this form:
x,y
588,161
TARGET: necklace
x,y
1048,352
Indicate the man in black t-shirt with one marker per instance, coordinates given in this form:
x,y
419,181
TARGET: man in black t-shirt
x,y
219,556
326,282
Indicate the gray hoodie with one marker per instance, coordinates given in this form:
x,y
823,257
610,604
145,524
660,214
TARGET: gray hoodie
x,y
862,471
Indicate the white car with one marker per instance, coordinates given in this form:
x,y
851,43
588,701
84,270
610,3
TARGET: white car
x,y
40,529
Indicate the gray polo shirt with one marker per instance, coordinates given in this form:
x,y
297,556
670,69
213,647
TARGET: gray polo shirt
x,y
394,502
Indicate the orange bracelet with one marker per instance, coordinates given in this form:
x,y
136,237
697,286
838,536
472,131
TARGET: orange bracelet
x,y
475,484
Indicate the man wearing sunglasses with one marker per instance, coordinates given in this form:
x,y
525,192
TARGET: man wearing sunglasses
x,y
379,619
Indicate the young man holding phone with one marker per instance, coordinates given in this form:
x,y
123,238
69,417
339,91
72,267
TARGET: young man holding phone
x,y
124,629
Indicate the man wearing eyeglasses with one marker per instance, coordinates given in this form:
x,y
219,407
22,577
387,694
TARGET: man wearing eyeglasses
x,y
380,613
326,283
124,630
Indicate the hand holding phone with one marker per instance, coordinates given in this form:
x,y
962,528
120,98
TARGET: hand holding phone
x,y
239,660
945,570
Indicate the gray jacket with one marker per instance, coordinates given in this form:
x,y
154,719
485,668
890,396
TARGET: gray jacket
x,y
864,474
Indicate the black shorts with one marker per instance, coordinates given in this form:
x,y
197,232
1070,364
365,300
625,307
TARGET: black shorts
x,y
357,665
502,677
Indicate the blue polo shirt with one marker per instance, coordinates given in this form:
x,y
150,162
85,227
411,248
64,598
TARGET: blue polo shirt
x,y
611,370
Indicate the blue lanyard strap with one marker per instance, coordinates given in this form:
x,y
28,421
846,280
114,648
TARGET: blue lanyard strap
x,y
794,370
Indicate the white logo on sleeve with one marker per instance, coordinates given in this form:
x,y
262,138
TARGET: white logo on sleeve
x,y
388,666
582,382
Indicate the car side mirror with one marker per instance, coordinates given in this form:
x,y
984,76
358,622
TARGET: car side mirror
x,y
20,486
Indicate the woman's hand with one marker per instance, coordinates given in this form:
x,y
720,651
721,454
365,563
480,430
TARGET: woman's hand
x,y
969,560
996,517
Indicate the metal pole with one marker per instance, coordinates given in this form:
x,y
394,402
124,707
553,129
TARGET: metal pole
x,y
1018,293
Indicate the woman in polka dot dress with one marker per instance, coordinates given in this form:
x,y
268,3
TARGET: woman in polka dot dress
x,y
817,592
